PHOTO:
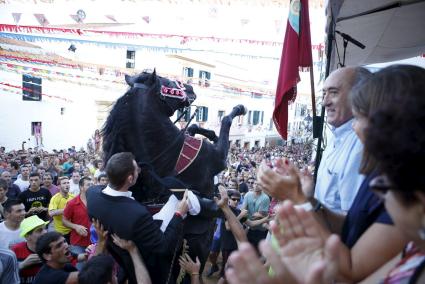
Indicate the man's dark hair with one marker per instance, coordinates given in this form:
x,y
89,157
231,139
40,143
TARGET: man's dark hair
x,y
14,165
36,160
101,176
96,163
234,193
3,184
97,270
48,174
7,206
43,243
34,174
82,180
119,167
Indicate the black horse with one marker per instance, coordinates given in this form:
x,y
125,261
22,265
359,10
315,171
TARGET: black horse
x,y
140,123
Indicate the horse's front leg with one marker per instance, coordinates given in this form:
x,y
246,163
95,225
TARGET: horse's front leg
x,y
195,129
222,144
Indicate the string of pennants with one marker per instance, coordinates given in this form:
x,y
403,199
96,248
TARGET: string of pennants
x,y
133,35
64,77
99,82
28,90
35,38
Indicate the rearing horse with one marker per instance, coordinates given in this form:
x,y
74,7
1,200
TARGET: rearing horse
x,y
140,123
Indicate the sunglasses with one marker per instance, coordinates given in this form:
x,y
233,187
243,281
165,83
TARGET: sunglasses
x,y
235,199
250,182
380,185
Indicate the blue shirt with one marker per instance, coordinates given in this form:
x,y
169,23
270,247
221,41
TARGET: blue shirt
x,y
254,203
338,178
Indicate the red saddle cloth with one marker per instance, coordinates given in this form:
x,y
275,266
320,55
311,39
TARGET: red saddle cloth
x,y
188,153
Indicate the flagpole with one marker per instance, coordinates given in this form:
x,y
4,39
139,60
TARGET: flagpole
x,y
320,120
313,96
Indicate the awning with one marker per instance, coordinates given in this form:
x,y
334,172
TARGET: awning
x,y
389,30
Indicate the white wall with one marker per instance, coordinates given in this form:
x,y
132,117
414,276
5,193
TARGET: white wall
x,y
73,128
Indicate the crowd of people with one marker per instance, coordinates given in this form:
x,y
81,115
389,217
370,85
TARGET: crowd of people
x,y
361,220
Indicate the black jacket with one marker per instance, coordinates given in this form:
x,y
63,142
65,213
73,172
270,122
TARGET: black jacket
x,y
131,220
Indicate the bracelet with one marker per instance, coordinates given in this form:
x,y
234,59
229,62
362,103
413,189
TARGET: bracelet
x,y
306,206
178,214
195,273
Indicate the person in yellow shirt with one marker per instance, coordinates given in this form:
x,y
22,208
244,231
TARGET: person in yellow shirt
x,y
57,205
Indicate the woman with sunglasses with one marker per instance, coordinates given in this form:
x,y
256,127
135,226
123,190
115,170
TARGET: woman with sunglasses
x,y
396,141
367,220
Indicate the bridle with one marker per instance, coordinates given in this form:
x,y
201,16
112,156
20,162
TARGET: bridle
x,y
174,93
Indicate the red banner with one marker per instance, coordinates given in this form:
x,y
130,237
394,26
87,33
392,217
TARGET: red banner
x,y
296,54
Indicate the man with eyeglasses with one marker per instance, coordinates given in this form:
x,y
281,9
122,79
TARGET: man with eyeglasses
x,y
228,241
250,183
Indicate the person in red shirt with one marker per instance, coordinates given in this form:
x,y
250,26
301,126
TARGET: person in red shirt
x,y
76,218
29,262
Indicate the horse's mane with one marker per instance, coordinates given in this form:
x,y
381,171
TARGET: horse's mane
x,y
120,122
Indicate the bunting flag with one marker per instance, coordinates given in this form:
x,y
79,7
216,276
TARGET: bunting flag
x,y
16,17
29,90
41,19
150,48
76,18
296,55
133,35
111,17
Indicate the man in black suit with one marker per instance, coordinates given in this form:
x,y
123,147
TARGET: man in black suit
x,y
119,213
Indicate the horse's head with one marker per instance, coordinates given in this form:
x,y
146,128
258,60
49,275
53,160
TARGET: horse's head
x,y
173,94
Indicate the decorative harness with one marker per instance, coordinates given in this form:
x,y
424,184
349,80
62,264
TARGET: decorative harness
x,y
191,146
188,153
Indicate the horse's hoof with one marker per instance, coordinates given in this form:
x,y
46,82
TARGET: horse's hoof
x,y
240,110
192,129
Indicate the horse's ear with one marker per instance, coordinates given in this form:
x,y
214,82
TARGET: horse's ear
x,y
152,77
129,79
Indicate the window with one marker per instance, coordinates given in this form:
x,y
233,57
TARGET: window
x,y
31,88
204,78
35,127
220,115
256,117
202,114
185,117
272,123
240,119
131,59
303,110
188,72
